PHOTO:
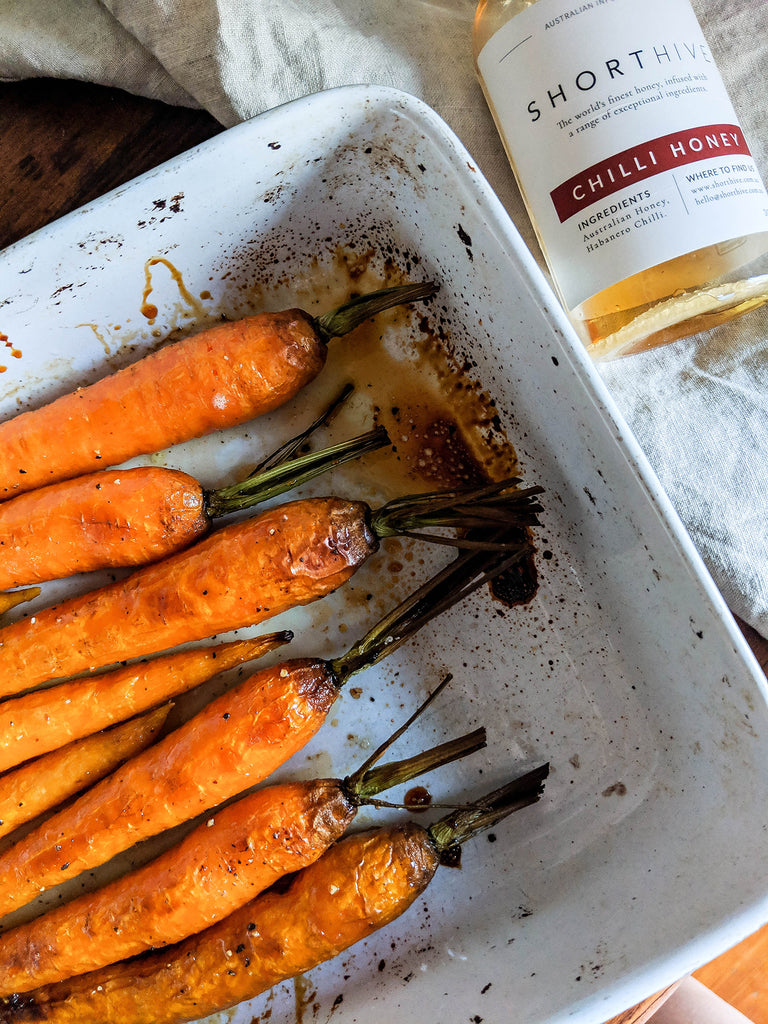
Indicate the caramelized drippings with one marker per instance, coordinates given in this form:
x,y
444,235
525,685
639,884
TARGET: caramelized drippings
x,y
417,799
148,309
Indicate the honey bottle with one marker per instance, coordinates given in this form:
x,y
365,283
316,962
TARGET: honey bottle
x,y
648,206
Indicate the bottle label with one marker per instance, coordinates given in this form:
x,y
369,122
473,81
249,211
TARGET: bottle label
x,y
623,137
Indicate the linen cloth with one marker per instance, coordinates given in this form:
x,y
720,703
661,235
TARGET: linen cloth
x,y
699,408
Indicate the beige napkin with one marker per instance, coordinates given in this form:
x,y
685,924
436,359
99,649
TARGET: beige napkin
x,y
698,408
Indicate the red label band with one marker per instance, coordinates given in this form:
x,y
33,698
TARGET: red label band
x,y
644,161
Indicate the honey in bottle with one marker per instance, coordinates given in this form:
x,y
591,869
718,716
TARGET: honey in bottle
x,y
648,206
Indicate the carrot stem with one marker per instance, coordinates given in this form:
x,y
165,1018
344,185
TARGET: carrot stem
x,y
372,778
284,476
473,818
381,750
501,504
387,776
351,314
286,450
465,574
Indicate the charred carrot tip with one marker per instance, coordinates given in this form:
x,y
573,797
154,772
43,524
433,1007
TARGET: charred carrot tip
x,y
278,639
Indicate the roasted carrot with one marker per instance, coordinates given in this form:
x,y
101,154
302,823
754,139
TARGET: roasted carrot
x,y
127,517
47,781
98,521
362,883
240,575
234,742
222,864
220,377
44,720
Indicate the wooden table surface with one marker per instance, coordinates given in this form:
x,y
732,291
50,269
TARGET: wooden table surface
x,y
65,143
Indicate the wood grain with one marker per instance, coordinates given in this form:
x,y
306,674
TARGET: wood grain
x,y
65,143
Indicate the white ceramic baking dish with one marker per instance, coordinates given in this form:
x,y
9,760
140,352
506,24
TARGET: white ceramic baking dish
x,y
646,855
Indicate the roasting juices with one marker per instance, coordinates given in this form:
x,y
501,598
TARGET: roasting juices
x,y
645,198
